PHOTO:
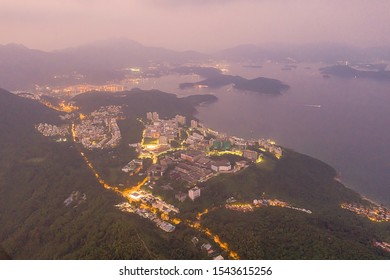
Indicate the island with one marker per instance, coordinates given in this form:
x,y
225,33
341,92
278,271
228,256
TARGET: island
x,y
214,78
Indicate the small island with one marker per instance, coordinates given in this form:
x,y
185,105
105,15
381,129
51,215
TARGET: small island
x,y
214,78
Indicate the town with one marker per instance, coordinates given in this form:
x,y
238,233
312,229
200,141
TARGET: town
x,y
195,153
189,154
99,130
232,204
49,130
375,213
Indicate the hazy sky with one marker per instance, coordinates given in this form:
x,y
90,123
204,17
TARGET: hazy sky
x,y
194,24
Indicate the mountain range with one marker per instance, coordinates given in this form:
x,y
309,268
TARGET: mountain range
x,y
21,68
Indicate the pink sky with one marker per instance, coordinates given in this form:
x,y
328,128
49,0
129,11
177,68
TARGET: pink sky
x,y
194,24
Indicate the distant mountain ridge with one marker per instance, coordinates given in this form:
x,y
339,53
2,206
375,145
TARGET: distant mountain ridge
x,y
345,71
328,53
21,68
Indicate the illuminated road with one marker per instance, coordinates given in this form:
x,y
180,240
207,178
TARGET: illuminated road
x,y
223,245
126,194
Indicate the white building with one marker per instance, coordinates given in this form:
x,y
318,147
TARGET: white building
x,y
221,165
156,117
194,193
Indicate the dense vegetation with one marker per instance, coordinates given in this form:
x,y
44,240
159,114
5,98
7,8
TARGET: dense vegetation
x,y
37,175
138,102
280,233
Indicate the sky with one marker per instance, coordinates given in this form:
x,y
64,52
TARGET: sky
x,y
203,25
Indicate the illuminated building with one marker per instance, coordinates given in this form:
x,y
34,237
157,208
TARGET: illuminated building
x,y
156,117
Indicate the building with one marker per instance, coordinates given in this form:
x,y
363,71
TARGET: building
x,y
277,151
152,116
180,196
156,117
163,140
241,164
203,161
251,155
194,193
194,124
222,165
157,170
191,155
180,119
197,136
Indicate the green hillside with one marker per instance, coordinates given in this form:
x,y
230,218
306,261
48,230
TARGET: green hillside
x,y
37,175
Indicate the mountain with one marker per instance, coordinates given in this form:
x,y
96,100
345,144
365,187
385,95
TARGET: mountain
x,y
4,255
119,53
345,71
321,52
21,68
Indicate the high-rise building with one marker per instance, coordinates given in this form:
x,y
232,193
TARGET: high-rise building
x,y
156,117
194,124
194,193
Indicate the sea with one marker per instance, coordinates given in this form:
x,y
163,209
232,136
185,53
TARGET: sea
x,y
343,122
